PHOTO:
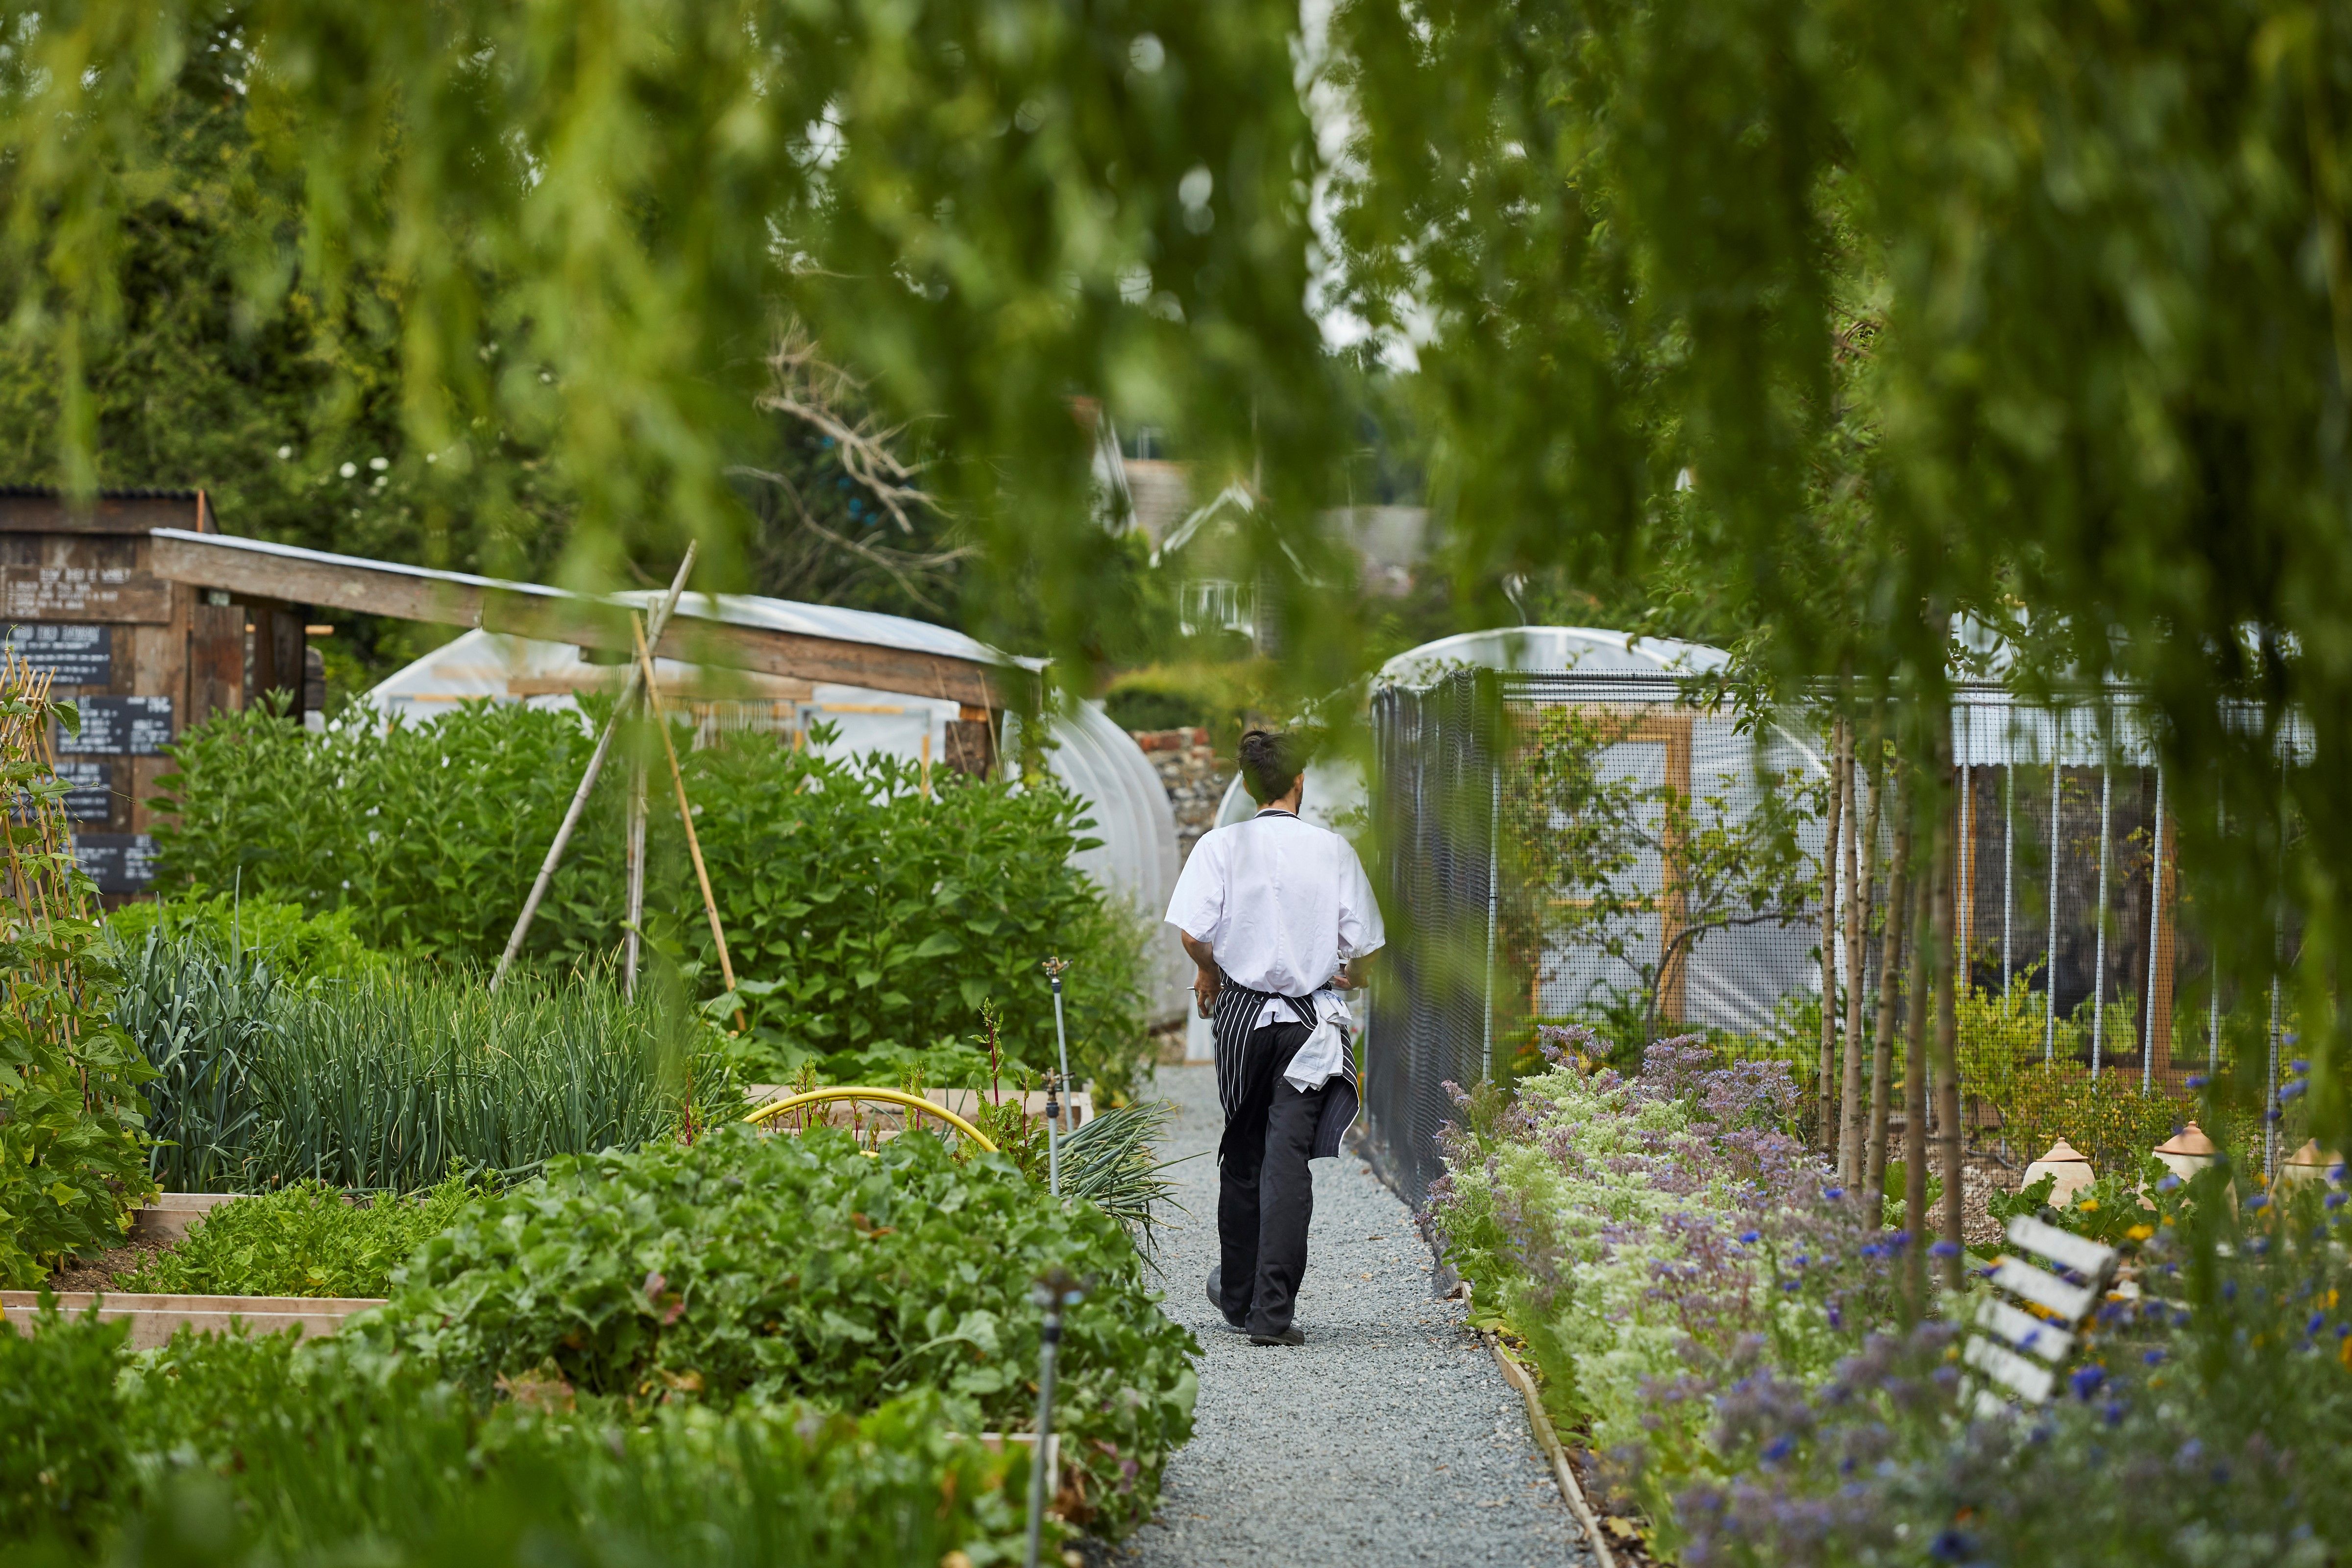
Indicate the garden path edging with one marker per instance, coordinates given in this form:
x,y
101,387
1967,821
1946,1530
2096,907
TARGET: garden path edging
x,y
1571,1491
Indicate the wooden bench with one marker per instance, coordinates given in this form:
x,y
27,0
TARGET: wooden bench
x,y
2023,1332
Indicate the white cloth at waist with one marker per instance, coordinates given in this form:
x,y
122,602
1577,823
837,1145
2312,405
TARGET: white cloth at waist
x,y
1325,1051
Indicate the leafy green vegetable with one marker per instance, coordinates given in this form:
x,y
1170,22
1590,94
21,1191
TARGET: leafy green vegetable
x,y
65,1451
306,1239
227,1450
770,1268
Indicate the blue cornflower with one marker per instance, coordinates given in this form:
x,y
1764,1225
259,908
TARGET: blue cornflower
x,y
2113,1412
2087,1380
1898,1241
2195,1081
1944,1249
2169,1183
2258,1201
2299,1066
2292,1091
1748,1237
2318,1321
1834,1192
1779,1449
2154,1358
1951,1546
1788,1284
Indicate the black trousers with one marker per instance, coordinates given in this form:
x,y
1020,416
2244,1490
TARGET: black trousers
x,y
1264,1194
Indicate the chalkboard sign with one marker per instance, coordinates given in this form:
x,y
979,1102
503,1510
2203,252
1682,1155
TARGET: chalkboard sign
x,y
89,790
116,862
72,655
120,727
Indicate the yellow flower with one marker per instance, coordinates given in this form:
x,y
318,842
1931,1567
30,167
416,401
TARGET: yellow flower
x,y
2140,1232
2088,1206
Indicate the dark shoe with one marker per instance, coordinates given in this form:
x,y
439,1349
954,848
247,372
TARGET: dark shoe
x,y
1217,1300
1289,1336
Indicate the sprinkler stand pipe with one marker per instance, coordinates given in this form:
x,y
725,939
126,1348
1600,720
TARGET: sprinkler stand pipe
x,y
1056,1290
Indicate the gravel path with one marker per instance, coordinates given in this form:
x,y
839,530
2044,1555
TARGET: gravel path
x,y
1388,1437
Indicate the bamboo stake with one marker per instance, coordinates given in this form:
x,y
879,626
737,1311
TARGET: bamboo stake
x,y
587,782
1950,1136
636,871
1829,1125
1890,956
1860,881
686,814
1915,1116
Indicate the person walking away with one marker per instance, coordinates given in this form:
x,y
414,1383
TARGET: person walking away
x,y
1278,917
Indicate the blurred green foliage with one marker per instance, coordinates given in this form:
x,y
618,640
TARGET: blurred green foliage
x,y
220,1450
1816,325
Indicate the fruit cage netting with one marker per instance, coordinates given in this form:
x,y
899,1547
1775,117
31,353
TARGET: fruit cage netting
x,y
1607,850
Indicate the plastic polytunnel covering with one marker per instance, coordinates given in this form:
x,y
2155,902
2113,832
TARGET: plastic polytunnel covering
x,y
1134,861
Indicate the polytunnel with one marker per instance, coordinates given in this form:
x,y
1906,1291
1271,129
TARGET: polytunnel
x,y
1731,979
1134,861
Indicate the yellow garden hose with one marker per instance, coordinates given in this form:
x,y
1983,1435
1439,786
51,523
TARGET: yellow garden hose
x,y
792,1102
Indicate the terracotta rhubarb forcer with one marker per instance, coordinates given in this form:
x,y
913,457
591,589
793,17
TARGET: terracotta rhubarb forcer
x,y
2309,1164
2188,1152
2071,1173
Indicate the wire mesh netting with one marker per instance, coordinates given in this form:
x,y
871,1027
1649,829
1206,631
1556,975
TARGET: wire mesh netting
x,y
1606,851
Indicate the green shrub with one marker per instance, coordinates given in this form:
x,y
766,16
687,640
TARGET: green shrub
x,y
772,1268
299,943
64,1456
866,918
302,1240
234,1451
387,1081
2106,1116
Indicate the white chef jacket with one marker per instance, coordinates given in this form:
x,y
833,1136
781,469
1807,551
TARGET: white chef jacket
x,y
1281,902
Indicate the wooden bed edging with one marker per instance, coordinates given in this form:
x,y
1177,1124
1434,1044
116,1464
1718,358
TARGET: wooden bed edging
x,y
155,1318
1547,1439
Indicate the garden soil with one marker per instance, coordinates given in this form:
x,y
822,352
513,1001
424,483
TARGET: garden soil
x,y
1388,1437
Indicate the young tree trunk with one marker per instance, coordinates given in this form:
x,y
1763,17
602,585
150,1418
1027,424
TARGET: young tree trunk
x,y
1829,1124
1890,956
1951,1136
1859,879
1915,1107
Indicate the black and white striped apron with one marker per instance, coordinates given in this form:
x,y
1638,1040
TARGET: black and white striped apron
x,y
1245,1064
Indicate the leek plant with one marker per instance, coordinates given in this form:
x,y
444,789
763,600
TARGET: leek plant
x,y
389,1081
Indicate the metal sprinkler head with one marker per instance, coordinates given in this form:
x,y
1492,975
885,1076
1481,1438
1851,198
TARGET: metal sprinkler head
x,y
1055,965
1057,1286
